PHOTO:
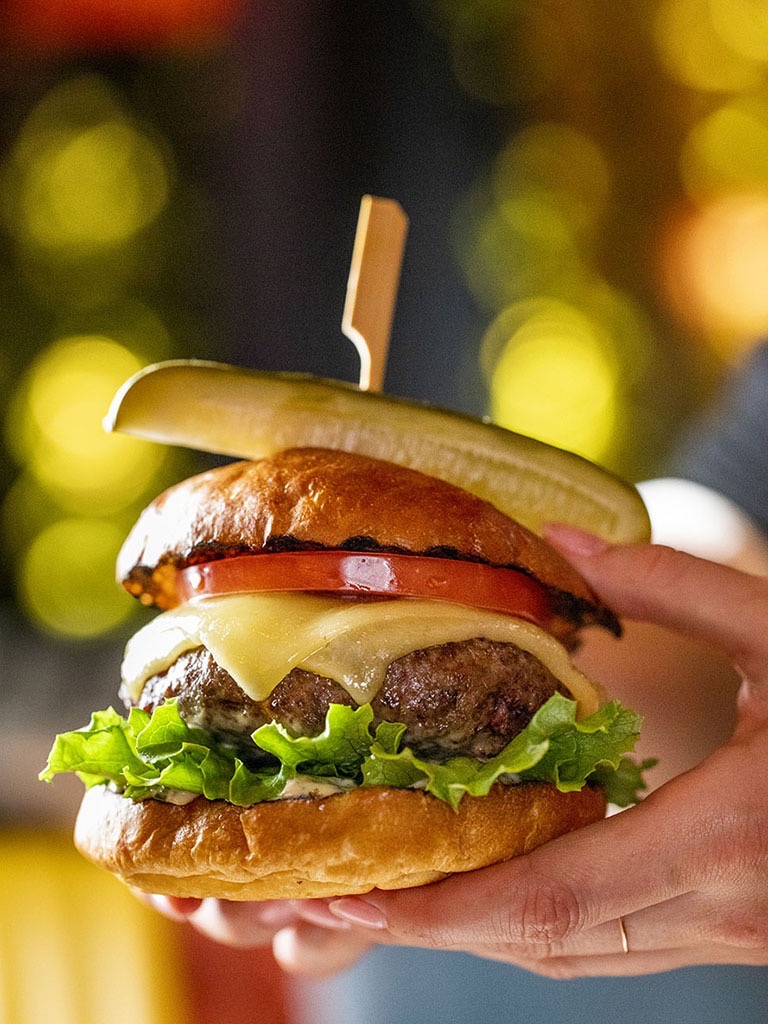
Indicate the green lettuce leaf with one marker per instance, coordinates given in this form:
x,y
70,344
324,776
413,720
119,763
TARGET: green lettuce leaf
x,y
623,785
554,747
338,750
148,755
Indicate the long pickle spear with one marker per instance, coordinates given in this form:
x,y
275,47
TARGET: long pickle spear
x,y
250,414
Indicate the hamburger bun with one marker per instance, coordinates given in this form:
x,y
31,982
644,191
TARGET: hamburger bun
x,y
327,499
302,848
463,698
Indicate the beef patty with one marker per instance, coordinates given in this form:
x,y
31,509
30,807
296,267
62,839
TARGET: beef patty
x,y
467,698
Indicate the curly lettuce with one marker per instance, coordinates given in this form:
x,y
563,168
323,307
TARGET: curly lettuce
x,y
155,755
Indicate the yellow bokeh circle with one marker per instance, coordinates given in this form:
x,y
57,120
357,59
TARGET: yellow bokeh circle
x,y
95,187
84,175
554,377
67,579
55,426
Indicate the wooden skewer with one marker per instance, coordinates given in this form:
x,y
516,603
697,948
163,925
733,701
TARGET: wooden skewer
x,y
374,277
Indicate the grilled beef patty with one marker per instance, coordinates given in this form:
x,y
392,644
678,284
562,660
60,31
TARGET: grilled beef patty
x,y
467,698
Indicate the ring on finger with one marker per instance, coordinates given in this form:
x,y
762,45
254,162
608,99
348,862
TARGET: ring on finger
x,y
623,933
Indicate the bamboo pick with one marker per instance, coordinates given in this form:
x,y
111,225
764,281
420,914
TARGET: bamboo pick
x,y
374,277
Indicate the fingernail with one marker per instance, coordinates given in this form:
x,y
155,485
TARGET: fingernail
x,y
357,911
276,912
572,540
319,913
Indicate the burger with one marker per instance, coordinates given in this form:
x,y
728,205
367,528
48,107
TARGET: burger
x,y
358,676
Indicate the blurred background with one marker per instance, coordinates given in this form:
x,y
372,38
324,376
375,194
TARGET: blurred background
x,y
588,192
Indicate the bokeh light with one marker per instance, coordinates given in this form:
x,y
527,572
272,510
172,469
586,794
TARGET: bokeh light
x,y
743,27
82,192
530,230
727,150
105,25
555,378
556,160
480,35
66,514
716,270
55,426
714,249
600,202
66,579
93,188
82,175
522,247
695,53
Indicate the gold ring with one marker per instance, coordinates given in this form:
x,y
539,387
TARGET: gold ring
x,y
624,940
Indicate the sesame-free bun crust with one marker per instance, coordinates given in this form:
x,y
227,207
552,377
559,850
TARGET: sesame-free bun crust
x,y
323,498
311,847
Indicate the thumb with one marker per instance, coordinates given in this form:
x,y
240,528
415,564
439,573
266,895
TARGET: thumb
x,y
560,890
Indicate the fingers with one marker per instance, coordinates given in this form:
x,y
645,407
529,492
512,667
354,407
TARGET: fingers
x,y
675,928
632,965
562,889
317,952
245,925
684,870
306,938
172,907
685,838
701,599
688,930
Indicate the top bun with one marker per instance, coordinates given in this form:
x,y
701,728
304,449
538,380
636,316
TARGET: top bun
x,y
321,498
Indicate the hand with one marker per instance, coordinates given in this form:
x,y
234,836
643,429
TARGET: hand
x,y
306,938
682,876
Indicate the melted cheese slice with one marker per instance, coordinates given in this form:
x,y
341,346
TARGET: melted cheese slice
x,y
259,638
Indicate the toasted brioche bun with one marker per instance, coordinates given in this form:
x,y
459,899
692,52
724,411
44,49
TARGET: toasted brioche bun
x,y
365,838
331,499
301,848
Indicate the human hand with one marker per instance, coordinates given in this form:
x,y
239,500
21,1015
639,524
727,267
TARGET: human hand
x,y
683,872
680,877
306,938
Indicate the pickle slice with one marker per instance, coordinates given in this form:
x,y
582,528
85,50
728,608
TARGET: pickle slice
x,y
250,414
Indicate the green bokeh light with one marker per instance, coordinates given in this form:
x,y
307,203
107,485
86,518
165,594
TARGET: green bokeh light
x,y
554,159
94,188
523,247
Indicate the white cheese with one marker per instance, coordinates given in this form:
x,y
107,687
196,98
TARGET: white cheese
x,y
259,638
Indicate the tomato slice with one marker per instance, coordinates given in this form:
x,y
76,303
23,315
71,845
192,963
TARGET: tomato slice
x,y
363,574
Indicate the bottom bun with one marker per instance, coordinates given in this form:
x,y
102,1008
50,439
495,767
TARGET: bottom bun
x,y
308,847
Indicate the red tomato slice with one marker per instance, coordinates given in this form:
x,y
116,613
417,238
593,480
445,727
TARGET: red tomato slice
x,y
364,574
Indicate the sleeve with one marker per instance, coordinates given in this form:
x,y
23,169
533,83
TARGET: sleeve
x,y
728,450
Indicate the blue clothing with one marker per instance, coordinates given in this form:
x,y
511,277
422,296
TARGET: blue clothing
x,y
728,450
406,986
